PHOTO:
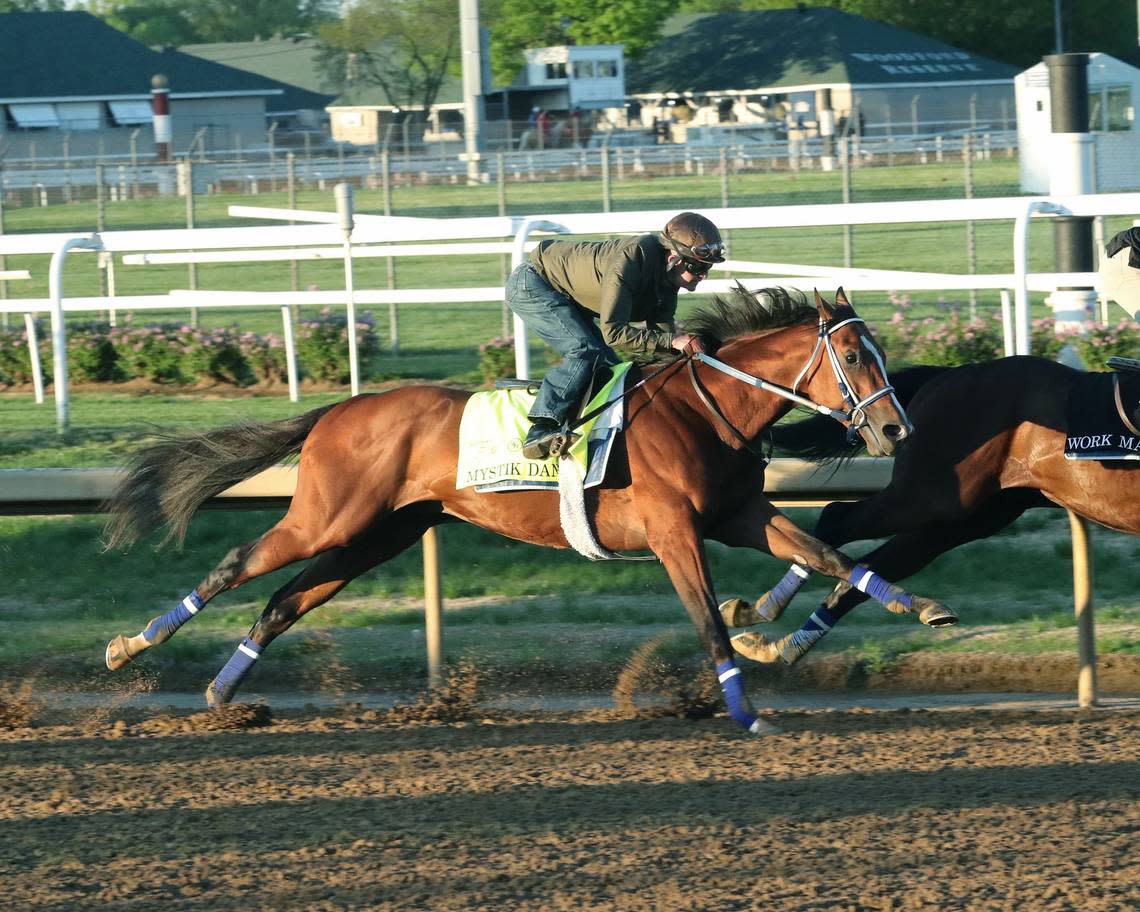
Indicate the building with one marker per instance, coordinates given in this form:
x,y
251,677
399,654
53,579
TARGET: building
x,y
72,85
291,63
768,66
1113,87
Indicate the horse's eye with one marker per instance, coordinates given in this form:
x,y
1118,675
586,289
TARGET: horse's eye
x,y
851,357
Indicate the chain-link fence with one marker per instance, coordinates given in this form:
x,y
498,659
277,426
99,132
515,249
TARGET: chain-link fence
x,y
610,171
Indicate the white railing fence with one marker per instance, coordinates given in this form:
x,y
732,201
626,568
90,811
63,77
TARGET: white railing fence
x,y
324,235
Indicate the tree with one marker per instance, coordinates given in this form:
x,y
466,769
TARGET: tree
x,y
405,47
541,23
32,6
178,22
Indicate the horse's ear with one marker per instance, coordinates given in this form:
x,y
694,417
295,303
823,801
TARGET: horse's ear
x,y
822,306
841,298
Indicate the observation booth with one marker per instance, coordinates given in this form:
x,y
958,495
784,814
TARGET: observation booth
x,y
1114,87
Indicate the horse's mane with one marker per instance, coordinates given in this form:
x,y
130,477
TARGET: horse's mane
x,y
747,313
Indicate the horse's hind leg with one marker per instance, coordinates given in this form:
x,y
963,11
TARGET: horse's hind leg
x,y
122,649
896,559
284,544
316,584
760,525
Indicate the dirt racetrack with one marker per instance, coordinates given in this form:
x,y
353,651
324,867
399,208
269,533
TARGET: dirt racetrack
x,y
361,809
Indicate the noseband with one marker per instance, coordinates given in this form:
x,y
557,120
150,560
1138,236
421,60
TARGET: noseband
x,y
855,417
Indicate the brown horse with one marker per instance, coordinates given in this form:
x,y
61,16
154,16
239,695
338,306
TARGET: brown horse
x,y
988,444
377,471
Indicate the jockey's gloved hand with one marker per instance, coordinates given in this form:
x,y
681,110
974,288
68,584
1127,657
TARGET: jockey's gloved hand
x,y
687,343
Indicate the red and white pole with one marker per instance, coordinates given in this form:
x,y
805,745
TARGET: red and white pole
x,y
160,97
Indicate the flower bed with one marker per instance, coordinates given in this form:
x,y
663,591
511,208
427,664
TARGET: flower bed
x,y
177,354
954,339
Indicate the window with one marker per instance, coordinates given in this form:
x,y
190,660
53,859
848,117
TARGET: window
x,y
33,116
556,71
1118,109
606,69
80,115
583,69
131,113
1110,109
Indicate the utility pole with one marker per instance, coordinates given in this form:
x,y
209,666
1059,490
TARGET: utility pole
x,y
473,110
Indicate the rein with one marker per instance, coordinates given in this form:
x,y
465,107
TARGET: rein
x,y
605,405
855,417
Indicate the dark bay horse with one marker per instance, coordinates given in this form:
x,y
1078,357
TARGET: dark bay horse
x,y
988,444
377,471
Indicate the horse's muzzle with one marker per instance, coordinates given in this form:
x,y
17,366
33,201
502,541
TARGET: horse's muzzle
x,y
884,440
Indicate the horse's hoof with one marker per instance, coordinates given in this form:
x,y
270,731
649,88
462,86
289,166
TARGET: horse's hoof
x,y
216,699
935,614
117,654
757,647
739,613
760,727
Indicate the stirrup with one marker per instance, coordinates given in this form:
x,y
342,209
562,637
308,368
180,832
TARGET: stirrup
x,y
1117,362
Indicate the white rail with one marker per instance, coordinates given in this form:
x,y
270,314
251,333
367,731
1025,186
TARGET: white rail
x,y
281,242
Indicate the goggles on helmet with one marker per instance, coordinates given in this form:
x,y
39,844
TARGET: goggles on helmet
x,y
703,254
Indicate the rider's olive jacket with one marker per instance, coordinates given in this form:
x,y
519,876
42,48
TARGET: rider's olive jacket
x,y
623,282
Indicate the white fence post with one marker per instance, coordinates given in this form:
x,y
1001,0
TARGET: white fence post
x,y
34,356
343,194
58,329
290,352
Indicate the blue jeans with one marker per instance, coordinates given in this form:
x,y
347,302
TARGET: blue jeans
x,y
566,327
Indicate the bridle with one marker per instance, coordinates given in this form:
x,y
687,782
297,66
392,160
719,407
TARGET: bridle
x,y
856,415
855,418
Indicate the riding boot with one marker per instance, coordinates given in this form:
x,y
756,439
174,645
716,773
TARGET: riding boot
x,y
543,432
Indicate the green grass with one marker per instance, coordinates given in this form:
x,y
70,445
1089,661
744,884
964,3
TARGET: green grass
x,y
510,604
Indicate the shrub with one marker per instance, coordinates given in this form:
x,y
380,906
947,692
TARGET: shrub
x,y
91,357
265,356
948,340
15,362
163,354
1102,342
322,345
497,359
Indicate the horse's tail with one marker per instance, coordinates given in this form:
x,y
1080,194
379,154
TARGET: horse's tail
x,y
823,439
166,483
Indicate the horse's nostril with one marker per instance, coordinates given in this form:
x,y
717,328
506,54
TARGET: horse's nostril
x,y
894,431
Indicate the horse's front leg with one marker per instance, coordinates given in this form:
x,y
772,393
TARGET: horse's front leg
x,y
833,528
679,546
760,525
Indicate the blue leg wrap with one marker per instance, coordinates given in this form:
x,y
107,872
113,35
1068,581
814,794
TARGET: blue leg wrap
x,y
235,669
821,619
162,628
735,699
878,588
780,596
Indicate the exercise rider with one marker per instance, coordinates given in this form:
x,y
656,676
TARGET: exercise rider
x,y
584,299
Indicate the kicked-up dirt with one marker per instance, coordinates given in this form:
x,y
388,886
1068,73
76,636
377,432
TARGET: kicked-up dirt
x,y
448,803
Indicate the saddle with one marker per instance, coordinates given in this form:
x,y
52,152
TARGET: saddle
x,y
494,424
564,438
1103,415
